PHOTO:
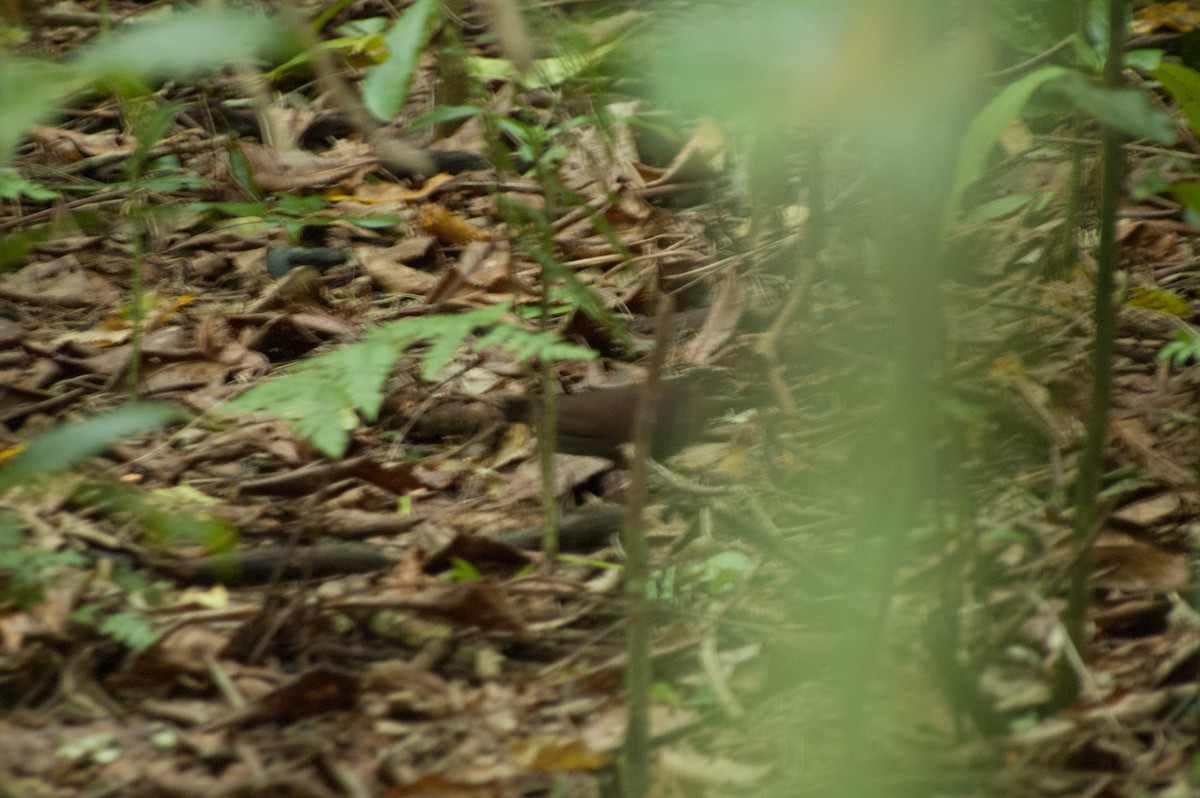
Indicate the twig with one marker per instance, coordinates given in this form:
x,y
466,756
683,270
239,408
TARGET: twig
x,y
1030,63
636,775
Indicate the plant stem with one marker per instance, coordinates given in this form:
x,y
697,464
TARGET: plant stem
x,y
548,419
636,774
1091,458
453,85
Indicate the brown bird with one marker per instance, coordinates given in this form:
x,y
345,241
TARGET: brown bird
x,y
597,422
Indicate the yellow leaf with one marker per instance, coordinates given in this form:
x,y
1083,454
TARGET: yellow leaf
x,y
1161,300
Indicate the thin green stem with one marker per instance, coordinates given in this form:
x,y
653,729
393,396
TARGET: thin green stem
x,y
638,670
1091,458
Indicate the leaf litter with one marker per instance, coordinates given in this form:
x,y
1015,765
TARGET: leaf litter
x,y
336,654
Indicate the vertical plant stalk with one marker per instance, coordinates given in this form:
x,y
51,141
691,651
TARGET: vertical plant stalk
x,y
636,774
1067,254
137,264
453,81
547,421
148,124
535,236
807,256
1091,458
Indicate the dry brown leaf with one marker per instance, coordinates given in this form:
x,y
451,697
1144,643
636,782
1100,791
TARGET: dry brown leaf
x,y
113,361
570,471
71,145
181,653
720,323
216,340
378,193
719,772
1144,446
319,690
485,265
1135,567
190,374
601,161
479,603
447,226
62,282
298,170
1176,16
701,158
386,268
1156,509
1056,424
558,753
299,289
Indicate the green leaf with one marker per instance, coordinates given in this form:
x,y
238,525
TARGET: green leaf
x,y
352,48
444,113
762,65
163,518
663,693
1146,60
1183,84
1087,55
1128,110
13,186
239,167
537,345
232,209
1149,185
999,207
374,222
181,45
721,570
325,395
14,246
462,571
28,569
181,181
385,87
984,131
322,394
1188,193
299,205
544,72
1184,349
31,91
130,628
148,128
68,444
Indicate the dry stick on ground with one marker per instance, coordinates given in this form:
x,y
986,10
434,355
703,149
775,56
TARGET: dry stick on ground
x,y
637,567
1087,510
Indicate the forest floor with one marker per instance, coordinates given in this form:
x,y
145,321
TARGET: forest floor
x,y
391,627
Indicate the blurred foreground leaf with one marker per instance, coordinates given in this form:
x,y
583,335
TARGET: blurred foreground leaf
x,y
69,444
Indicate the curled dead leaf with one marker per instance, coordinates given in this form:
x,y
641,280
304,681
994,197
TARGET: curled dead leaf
x,y
447,226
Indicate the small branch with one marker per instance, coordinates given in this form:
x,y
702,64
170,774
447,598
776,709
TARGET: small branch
x,y
636,774
1028,64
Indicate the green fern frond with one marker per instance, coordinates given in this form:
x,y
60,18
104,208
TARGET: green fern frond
x,y
327,395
